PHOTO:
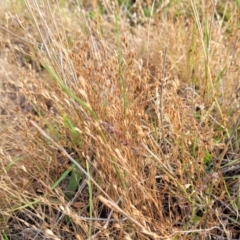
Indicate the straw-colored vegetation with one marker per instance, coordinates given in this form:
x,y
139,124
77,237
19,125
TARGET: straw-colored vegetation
x,y
119,119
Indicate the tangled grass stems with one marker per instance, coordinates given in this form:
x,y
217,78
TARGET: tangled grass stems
x,y
105,134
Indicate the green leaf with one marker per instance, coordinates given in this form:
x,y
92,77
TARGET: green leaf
x,y
207,158
196,219
64,175
220,75
74,180
147,12
238,4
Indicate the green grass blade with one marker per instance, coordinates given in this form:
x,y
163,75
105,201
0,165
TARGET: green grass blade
x,y
69,92
120,65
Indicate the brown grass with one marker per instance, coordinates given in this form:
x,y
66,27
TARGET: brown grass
x,y
119,123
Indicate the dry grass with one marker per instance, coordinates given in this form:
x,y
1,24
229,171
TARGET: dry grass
x,y
119,121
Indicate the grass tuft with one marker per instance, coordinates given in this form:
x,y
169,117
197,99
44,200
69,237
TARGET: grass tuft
x,y
119,120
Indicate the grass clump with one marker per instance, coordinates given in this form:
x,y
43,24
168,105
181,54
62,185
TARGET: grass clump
x,y
119,120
